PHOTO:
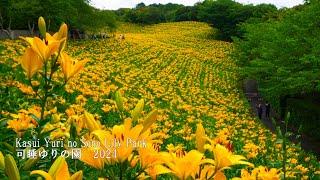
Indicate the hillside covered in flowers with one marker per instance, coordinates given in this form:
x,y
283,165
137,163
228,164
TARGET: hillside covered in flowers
x,y
167,87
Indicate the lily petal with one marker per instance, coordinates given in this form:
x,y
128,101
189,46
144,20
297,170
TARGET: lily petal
x,y
31,62
44,174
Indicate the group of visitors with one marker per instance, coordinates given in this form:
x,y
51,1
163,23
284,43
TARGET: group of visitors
x,y
267,110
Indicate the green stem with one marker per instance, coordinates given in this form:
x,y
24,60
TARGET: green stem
x,y
75,165
121,171
284,159
285,151
47,83
139,173
33,88
53,66
44,100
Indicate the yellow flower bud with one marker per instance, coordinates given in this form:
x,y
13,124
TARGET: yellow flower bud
x,y
57,164
11,168
119,100
56,118
137,110
150,119
31,162
63,31
2,166
91,123
77,176
200,138
42,26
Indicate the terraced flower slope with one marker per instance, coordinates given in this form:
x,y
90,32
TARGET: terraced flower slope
x,y
178,70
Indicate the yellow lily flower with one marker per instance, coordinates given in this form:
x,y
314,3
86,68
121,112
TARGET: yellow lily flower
x,y
122,139
60,36
31,62
151,160
185,166
260,173
43,49
219,176
245,175
224,158
207,172
88,157
21,122
58,169
70,67
123,135
265,174
156,170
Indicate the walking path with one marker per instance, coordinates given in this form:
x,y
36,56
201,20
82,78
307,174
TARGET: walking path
x,y
307,143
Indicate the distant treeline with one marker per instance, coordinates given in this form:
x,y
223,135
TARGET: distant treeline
x,y
225,15
78,14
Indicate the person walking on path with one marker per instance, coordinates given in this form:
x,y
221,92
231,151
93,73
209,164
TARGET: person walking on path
x,y
260,110
268,106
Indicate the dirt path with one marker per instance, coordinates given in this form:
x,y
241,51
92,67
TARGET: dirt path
x,y
252,94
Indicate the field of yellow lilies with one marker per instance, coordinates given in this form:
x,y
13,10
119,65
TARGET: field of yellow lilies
x,y
161,103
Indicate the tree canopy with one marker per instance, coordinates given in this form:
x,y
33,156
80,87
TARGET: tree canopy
x,y
78,14
227,15
283,53
151,14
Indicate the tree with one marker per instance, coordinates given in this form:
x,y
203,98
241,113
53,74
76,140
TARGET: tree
x,y
26,13
140,5
227,15
282,54
186,13
78,14
151,14
6,15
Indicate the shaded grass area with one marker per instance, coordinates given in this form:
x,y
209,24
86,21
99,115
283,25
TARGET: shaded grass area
x,y
306,113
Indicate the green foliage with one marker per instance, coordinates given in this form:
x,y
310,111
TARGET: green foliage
x,y
152,14
227,15
78,14
99,19
305,113
282,54
188,13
